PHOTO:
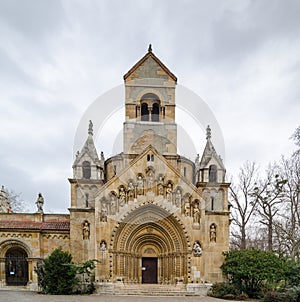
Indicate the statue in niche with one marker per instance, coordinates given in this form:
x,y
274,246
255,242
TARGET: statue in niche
x,y
187,208
197,249
160,186
196,213
86,230
169,192
122,197
40,204
103,246
103,217
213,233
140,185
150,180
130,191
113,204
178,198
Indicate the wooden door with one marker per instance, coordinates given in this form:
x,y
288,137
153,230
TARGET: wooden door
x,y
149,270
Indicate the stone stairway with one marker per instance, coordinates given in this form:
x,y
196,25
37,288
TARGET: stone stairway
x,y
151,290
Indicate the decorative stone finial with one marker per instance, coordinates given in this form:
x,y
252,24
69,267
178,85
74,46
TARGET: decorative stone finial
x,y
90,128
150,48
208,132
3,193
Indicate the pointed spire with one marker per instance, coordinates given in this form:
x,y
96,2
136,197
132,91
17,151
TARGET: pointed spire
x,y
150,48
3,193
208,133
210,152
90,131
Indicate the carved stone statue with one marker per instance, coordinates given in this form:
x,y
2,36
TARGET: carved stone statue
x,y
150,181
103,216
40,203
103,246
86,230
140,185
178,198
213,233
169,192
113,204
187,208
122,197
160,186
130,191
197,249
196,213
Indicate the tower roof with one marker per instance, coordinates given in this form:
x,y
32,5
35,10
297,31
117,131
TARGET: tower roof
x,y
89,147
209,152
146,57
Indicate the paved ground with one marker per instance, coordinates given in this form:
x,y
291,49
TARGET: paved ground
x,y
26,296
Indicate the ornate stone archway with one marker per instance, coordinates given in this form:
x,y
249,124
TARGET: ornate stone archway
x,y
150,231
15,262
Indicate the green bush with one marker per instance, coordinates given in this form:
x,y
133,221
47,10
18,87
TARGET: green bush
x,y
252,270
274,296
59,273
293,273
220,290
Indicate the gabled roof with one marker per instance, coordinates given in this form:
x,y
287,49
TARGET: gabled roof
x,y
148,55
138,158
210,153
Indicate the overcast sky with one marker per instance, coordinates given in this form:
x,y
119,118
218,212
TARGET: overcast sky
x,y
57,57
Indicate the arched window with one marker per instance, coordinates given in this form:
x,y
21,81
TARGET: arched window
x,y
213,195
150,157
155,112
150,97
86,170
144,112
212,173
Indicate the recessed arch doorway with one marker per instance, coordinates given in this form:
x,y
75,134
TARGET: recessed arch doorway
x,y
149,246
16,266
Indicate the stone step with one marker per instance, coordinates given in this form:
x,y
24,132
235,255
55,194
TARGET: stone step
x,y
151,290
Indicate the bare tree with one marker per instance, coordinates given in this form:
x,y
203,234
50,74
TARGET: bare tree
x,y
296,138
269,196
243,203
17,204
288,225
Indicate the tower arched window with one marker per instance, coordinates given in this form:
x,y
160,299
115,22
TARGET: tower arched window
x,y
86,170
144,112
212,173
155,112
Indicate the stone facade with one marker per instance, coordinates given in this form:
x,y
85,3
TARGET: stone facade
x,y
148,215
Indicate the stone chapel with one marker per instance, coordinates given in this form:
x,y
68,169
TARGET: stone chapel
x,y
148,214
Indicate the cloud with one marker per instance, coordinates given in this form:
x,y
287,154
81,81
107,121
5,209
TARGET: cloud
x,y
57,57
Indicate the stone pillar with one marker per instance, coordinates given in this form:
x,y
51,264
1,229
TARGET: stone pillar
x,y
2,272
150,113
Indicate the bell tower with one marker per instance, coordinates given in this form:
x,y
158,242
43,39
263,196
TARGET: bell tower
x,y
150,107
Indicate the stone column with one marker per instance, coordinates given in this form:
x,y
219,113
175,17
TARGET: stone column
x,y
2,272
150,113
